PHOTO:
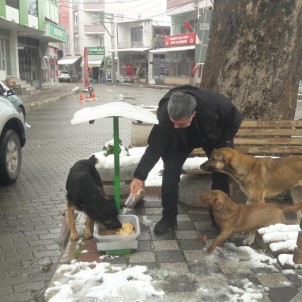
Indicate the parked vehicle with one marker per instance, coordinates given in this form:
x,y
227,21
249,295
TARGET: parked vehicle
x,y
10,95
12,139
64,76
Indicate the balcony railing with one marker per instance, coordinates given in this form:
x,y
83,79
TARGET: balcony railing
x,y
94,29
94,5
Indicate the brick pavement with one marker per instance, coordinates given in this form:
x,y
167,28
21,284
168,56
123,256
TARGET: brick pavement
x,y
180,265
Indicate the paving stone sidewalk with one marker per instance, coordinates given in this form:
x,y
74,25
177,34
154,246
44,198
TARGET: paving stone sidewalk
x,y
180,257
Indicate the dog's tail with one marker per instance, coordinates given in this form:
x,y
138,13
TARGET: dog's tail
x,y
93,159
291,207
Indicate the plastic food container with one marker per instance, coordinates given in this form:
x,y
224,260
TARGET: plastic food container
x,y
117,243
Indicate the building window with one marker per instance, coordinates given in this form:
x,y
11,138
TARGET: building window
x,y
137,36
32,8
76,43
4,52
102,42
13,3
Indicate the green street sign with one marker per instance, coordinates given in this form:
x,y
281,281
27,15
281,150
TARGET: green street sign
x,y
96,50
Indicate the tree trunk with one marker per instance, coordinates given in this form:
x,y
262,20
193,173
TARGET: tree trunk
x,y
254,56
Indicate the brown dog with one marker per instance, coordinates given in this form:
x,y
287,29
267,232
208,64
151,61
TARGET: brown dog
x,y
85,192
238,218
259,178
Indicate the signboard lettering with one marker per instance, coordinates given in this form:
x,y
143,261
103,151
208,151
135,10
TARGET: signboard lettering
x,y
178,40
96,50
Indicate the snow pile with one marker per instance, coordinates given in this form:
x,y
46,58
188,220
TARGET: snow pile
x,y
280,236
102,282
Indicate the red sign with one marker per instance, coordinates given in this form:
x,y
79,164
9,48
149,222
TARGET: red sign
x,y
183,39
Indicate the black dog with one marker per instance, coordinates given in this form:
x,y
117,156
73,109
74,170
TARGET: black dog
x,y
85,192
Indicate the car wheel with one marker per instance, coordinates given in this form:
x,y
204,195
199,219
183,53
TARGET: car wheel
x,y
10,157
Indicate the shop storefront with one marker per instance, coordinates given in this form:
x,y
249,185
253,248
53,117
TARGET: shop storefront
x,y
29,65
72,65
133,65
173,64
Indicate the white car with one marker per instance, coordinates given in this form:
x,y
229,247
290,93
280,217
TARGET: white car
x,y
12,139
64,76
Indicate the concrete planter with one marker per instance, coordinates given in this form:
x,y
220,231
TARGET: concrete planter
x,y
191,186
139,133
140,130
126,175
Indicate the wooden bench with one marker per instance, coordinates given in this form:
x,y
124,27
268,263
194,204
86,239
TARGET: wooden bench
x,y
263,138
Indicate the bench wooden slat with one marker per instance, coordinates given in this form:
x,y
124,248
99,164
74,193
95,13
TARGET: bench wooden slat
x,y
259,150
268,141
271,150
270,124
194,172
255,132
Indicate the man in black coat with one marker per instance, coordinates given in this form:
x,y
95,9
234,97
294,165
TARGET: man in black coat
x,y
189,117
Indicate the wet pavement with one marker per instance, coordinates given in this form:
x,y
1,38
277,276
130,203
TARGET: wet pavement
x,y
33,229
34,233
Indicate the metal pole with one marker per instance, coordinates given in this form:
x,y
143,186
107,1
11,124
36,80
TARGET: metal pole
x,y
113,78
116,147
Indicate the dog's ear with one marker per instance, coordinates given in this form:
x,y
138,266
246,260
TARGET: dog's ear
x,y
227,158
214,150
217,203
216,200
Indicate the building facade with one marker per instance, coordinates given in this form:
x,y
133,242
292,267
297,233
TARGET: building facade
x,y
109,24
29,32
186,48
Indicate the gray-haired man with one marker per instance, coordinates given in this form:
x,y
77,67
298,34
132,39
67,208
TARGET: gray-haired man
x,y
189,117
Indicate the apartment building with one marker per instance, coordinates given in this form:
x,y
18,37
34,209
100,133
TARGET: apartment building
x,y
116,26
186,48
29,33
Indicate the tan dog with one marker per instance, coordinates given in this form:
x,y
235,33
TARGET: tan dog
x,y
259,178
238,218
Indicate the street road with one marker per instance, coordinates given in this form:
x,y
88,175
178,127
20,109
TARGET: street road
x,y
32,222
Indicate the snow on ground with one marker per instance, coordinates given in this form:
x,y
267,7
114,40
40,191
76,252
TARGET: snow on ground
x,y
81,281
102,282
282,238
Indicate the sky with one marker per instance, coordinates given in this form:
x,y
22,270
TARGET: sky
x,y
80,281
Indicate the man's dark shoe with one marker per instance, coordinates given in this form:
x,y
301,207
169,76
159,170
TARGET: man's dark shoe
x,y
164,225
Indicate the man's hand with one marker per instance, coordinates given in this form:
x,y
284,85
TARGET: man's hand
x,y
135,185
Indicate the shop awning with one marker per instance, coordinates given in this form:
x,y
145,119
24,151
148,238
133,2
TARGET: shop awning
x,y
68,60
94,60
170,49
134,49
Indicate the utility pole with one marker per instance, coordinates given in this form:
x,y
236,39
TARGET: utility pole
x,y
113,77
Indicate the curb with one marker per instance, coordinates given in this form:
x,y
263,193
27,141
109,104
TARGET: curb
x,y
35,104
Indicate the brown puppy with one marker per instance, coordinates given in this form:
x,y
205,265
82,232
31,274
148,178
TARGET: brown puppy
x,y
238,218
259,178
